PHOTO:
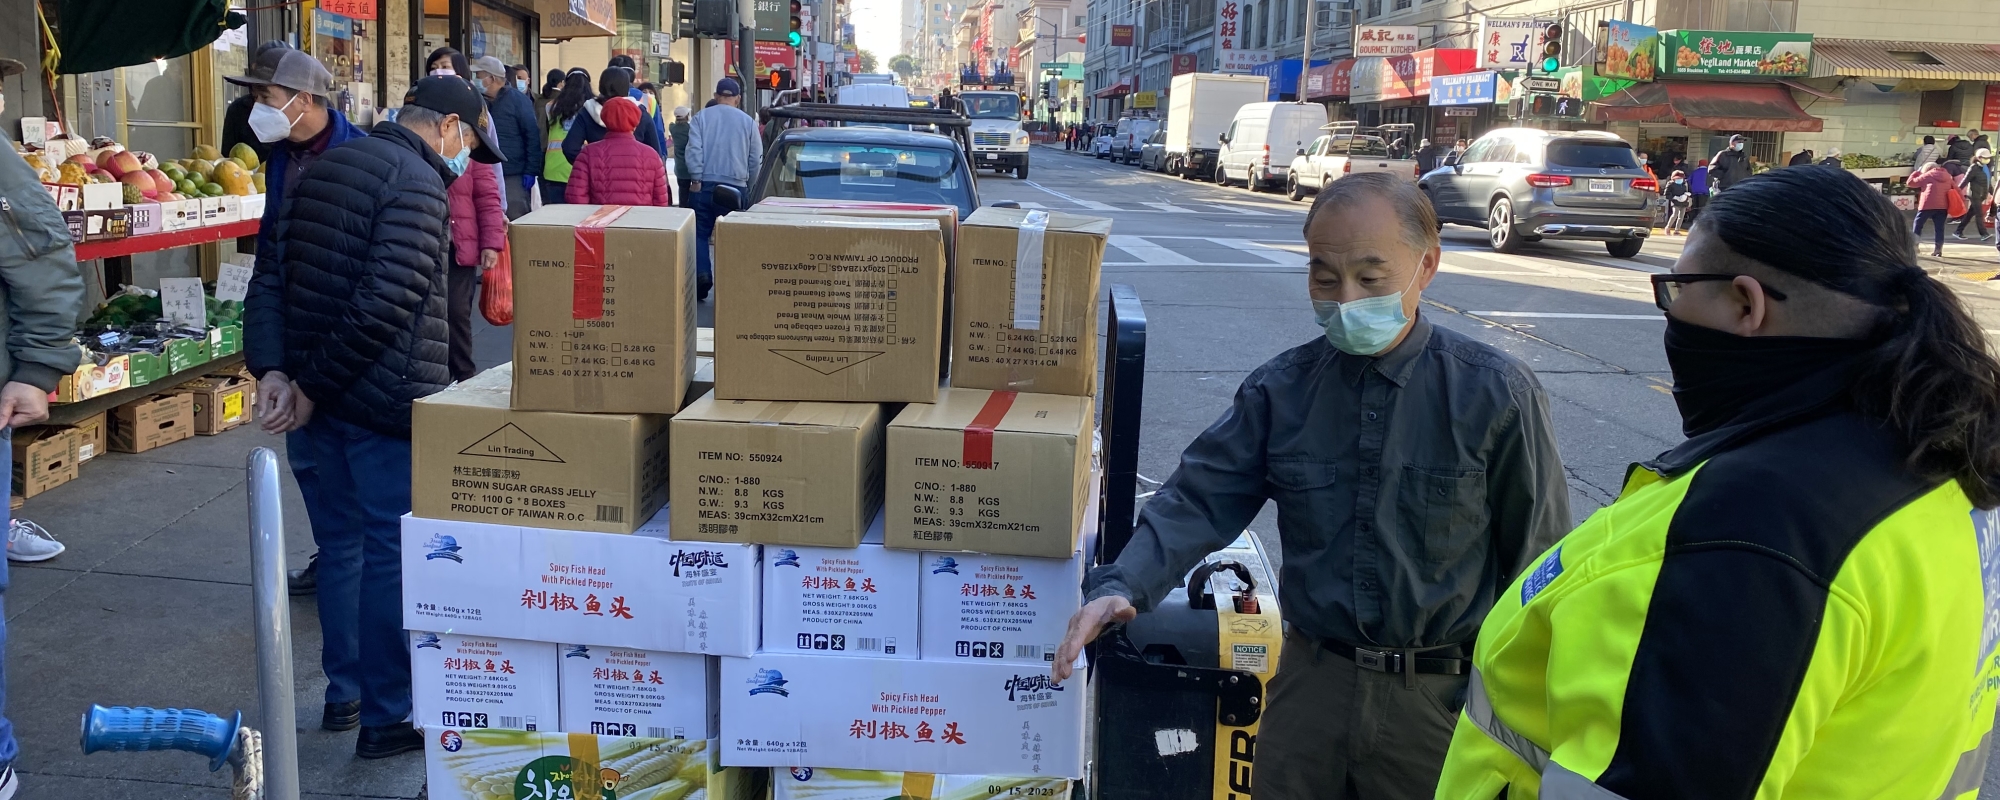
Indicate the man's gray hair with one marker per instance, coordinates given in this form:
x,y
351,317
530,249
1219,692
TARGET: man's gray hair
x,y
1412,206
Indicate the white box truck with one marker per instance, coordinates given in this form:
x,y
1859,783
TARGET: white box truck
x,y
1199,109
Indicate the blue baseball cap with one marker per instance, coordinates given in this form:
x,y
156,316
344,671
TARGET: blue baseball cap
x,y
728,87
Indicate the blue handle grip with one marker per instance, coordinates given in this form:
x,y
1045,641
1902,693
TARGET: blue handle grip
x,y
124,729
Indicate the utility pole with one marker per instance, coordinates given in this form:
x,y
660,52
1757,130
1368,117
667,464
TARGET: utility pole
x,y
1306,55
746,55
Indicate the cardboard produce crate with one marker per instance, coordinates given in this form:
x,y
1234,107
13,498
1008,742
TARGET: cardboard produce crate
x,y
831,309
155,421
856,601
603,308
1025,307
816,783
44,458
460,681
93,437
92,379
221,402
776,473
501,765
622,691
990,472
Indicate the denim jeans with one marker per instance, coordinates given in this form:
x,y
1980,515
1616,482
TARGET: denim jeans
x,y
363,490
705,213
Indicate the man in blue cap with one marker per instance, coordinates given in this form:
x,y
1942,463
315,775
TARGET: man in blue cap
x,y
723,148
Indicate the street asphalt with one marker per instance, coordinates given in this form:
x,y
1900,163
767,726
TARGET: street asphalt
x,y
151,604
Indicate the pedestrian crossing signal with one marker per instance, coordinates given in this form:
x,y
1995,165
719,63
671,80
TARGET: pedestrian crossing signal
x,y
779,79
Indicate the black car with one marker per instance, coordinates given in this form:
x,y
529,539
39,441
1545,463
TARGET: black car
x,y
865,163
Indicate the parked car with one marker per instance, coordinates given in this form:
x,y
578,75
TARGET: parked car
x,y
864,163
1260,129
1348,150
1525,185
1100,144
1153,154
1132,133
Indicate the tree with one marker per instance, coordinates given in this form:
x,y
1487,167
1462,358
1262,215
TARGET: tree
x,y
903,65
867,61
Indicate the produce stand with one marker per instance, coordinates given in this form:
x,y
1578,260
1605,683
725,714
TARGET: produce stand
x,y
117,253
73,413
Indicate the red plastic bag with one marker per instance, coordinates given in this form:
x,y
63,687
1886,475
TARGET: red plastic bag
x,y
1954,204
496,290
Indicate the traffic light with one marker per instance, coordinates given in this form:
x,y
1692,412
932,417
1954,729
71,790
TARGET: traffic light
x,y
1552,48
715,19
779,79
798,36
1047,89
1552,105
684,27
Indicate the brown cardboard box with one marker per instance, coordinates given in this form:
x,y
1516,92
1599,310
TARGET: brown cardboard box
x,y
43,459
832,309
475,458
92,379
776,473
989,472
221,402
155,421
93,437
1031,329
631,352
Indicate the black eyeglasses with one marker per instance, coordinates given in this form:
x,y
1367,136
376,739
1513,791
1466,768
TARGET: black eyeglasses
x,y
1667,286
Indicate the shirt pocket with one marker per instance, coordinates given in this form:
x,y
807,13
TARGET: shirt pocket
x,y
1304,489
1446,506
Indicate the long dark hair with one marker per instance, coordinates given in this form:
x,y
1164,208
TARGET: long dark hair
x,y
614,81
552,85
458,62
1933,377
575,92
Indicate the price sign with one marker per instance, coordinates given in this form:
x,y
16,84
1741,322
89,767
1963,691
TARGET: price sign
x,y
232,282
181,302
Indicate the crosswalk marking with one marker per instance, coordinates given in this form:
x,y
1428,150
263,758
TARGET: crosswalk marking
x,y
1272,254
1170,208
1242,209
1146,252
1166,251
1033,206
1093,205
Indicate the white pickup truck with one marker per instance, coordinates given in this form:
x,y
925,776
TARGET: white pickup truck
x,y
1347,149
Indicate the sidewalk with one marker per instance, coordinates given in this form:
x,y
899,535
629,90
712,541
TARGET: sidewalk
x,y
151,606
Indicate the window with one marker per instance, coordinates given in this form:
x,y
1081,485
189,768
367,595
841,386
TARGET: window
x,y
1935,106
1374,8
1318,147
1079,20
1264,28
1249,20
1591,153
1402,4
1283,20
1479,151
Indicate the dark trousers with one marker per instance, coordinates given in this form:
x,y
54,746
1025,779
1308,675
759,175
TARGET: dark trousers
x,y
686,192
552,192
363,490
517,197
1334,731
1977,216
706,211
464,286
1937,215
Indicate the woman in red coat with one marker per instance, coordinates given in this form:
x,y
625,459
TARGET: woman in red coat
x,y
478,233
618,169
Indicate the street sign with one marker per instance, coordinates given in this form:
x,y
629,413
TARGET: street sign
x,y
1541,84
1461,111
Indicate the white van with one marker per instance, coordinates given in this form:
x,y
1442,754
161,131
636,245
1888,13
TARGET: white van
x,y
884,95
1263,140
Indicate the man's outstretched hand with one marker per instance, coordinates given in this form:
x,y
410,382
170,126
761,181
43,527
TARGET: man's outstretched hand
x,y
1085,626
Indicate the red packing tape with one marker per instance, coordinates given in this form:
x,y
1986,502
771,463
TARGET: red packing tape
x,y
979,435
587,289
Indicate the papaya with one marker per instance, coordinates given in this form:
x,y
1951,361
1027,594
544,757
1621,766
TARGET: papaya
x,y
207,152
244,155
257,180
202,168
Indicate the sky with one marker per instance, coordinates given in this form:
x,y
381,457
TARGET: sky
x,y
876,28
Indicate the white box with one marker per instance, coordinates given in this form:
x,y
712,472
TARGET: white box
x,y
232,209
460,681
782,710
489,764
101,196
180,215
615,590
616,691
211,210
857,601
1002,608
253,206
812,783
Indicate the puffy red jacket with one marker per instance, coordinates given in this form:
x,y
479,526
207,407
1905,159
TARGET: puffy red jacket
x,y
1931,187
478,215
618,170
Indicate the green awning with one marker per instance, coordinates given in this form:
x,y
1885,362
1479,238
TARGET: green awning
x,y
97,35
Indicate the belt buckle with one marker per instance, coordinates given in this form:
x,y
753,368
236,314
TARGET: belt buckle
x,y
1377,661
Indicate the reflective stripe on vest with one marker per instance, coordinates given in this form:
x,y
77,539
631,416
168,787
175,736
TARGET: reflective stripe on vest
x,y
1965,777
1479,709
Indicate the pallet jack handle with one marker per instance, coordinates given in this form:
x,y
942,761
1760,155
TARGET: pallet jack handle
x,y
1124,392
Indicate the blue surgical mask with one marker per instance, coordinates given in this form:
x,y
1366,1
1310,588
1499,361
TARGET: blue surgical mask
x,y
458,163
1363,327
521,85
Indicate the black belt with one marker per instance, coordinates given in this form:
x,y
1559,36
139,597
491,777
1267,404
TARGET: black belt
x,y
1404,660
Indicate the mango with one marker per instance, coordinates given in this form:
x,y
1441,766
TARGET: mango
x,y
207,152
244,155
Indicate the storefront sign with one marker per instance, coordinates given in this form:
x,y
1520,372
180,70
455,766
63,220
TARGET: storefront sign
x,y
1146,100
1777,55
351,9
1121,36
774,20
1628,51
1472,88
1226,14
1504,41
1331,80
332,26
1990,115
1185,63
1241,61
1461,111
599,18
1400,77
1384,40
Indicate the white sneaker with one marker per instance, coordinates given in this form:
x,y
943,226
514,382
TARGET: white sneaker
x,y
7,782
27,542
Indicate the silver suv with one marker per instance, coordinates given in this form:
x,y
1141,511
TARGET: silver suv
x,y
1525,185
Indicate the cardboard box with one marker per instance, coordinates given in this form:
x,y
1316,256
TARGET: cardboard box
x,y
833,309
776,473
857,601
221,210
73,220
475,458
220,402
640,591
43,459
225,340
975,606
185,354
1027,324
93,437
990,472
460,681
617,691
101,196
626,347
814,783
180,215
146,218
155,421
489,764
68,197
92,379
252,206
232,208
146,368
103,225
783,710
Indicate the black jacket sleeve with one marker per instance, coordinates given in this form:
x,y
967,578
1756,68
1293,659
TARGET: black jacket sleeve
x,y
264,302
524,119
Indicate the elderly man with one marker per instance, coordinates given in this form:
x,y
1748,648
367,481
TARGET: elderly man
x,y
514,125
723,148
1415,474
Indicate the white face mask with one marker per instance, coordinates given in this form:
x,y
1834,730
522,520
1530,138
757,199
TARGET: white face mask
x,y
271,124
1737,146
443,71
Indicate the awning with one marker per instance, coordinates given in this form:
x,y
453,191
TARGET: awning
x,y
1873,58
1708,106
98,35
1114,91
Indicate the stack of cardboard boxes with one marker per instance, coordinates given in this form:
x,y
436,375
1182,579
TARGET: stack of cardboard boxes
x,y
861,577
51,455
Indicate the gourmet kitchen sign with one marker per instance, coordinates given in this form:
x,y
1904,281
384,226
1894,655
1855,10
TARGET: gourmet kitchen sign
x,y
1385,40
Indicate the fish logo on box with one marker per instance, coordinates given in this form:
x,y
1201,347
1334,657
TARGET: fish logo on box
x,y
445,547
769,681
696,560
787,558
802,774
429,640
576,651
943,565
451,741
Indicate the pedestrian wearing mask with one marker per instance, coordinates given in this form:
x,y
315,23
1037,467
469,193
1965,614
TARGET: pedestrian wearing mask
x,y
363,246
1697,190
292,117
618,170
478,234
587,127
562,114
1415,473
1978,182
1934,185
1729,167
236,119
1679,202
1798,600
513,116
724,149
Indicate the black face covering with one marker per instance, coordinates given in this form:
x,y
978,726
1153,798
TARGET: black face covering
x,y
1721,379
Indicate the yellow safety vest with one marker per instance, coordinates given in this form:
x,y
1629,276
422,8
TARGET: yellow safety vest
x,y
556,166
1798,617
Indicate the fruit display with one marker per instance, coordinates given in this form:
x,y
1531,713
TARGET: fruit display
x,y
146,178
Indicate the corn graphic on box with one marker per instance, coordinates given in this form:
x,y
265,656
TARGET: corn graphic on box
x,y
509,765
